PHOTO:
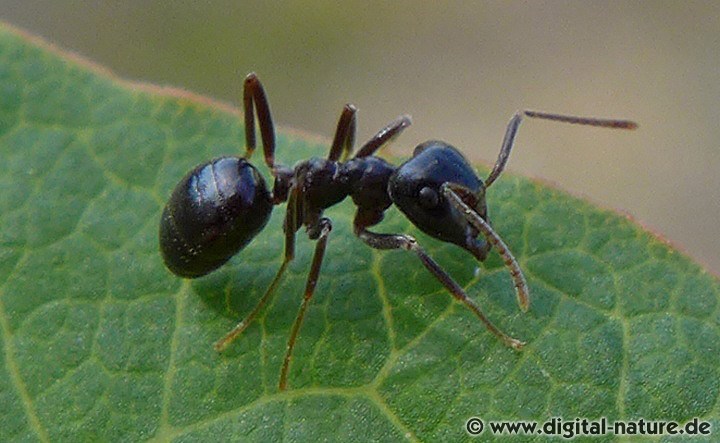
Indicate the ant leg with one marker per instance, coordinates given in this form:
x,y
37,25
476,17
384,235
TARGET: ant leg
x,y
514,124
383,136
325,228
399,241
344,134
290,230
461,198
254,97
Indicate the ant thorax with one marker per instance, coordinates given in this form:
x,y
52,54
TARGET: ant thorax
x,y
325,183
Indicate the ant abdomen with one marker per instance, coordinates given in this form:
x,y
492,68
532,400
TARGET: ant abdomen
x,y
213,213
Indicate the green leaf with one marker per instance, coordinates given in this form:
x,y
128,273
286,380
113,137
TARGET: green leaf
x,y
101,342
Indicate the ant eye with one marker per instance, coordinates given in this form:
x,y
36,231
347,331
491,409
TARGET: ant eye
x,y
428,198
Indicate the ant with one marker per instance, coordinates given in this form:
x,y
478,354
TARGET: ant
x,y
221,205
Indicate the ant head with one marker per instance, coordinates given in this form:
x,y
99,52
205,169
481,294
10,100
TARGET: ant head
x,y
416,188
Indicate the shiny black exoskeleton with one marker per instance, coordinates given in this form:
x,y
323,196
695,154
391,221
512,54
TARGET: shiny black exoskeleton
x,y
214,212
221,205
416,188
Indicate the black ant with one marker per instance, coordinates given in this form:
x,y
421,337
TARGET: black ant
x,y
221,205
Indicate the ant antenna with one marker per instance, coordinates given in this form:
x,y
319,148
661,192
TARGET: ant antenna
x,y
514,124
457,195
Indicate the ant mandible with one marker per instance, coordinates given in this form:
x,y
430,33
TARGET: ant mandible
x,y
221,205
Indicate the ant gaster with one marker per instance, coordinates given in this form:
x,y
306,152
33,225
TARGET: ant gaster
x,y
221,205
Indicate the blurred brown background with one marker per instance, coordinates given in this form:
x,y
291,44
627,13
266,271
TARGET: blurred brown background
x,y
460,69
